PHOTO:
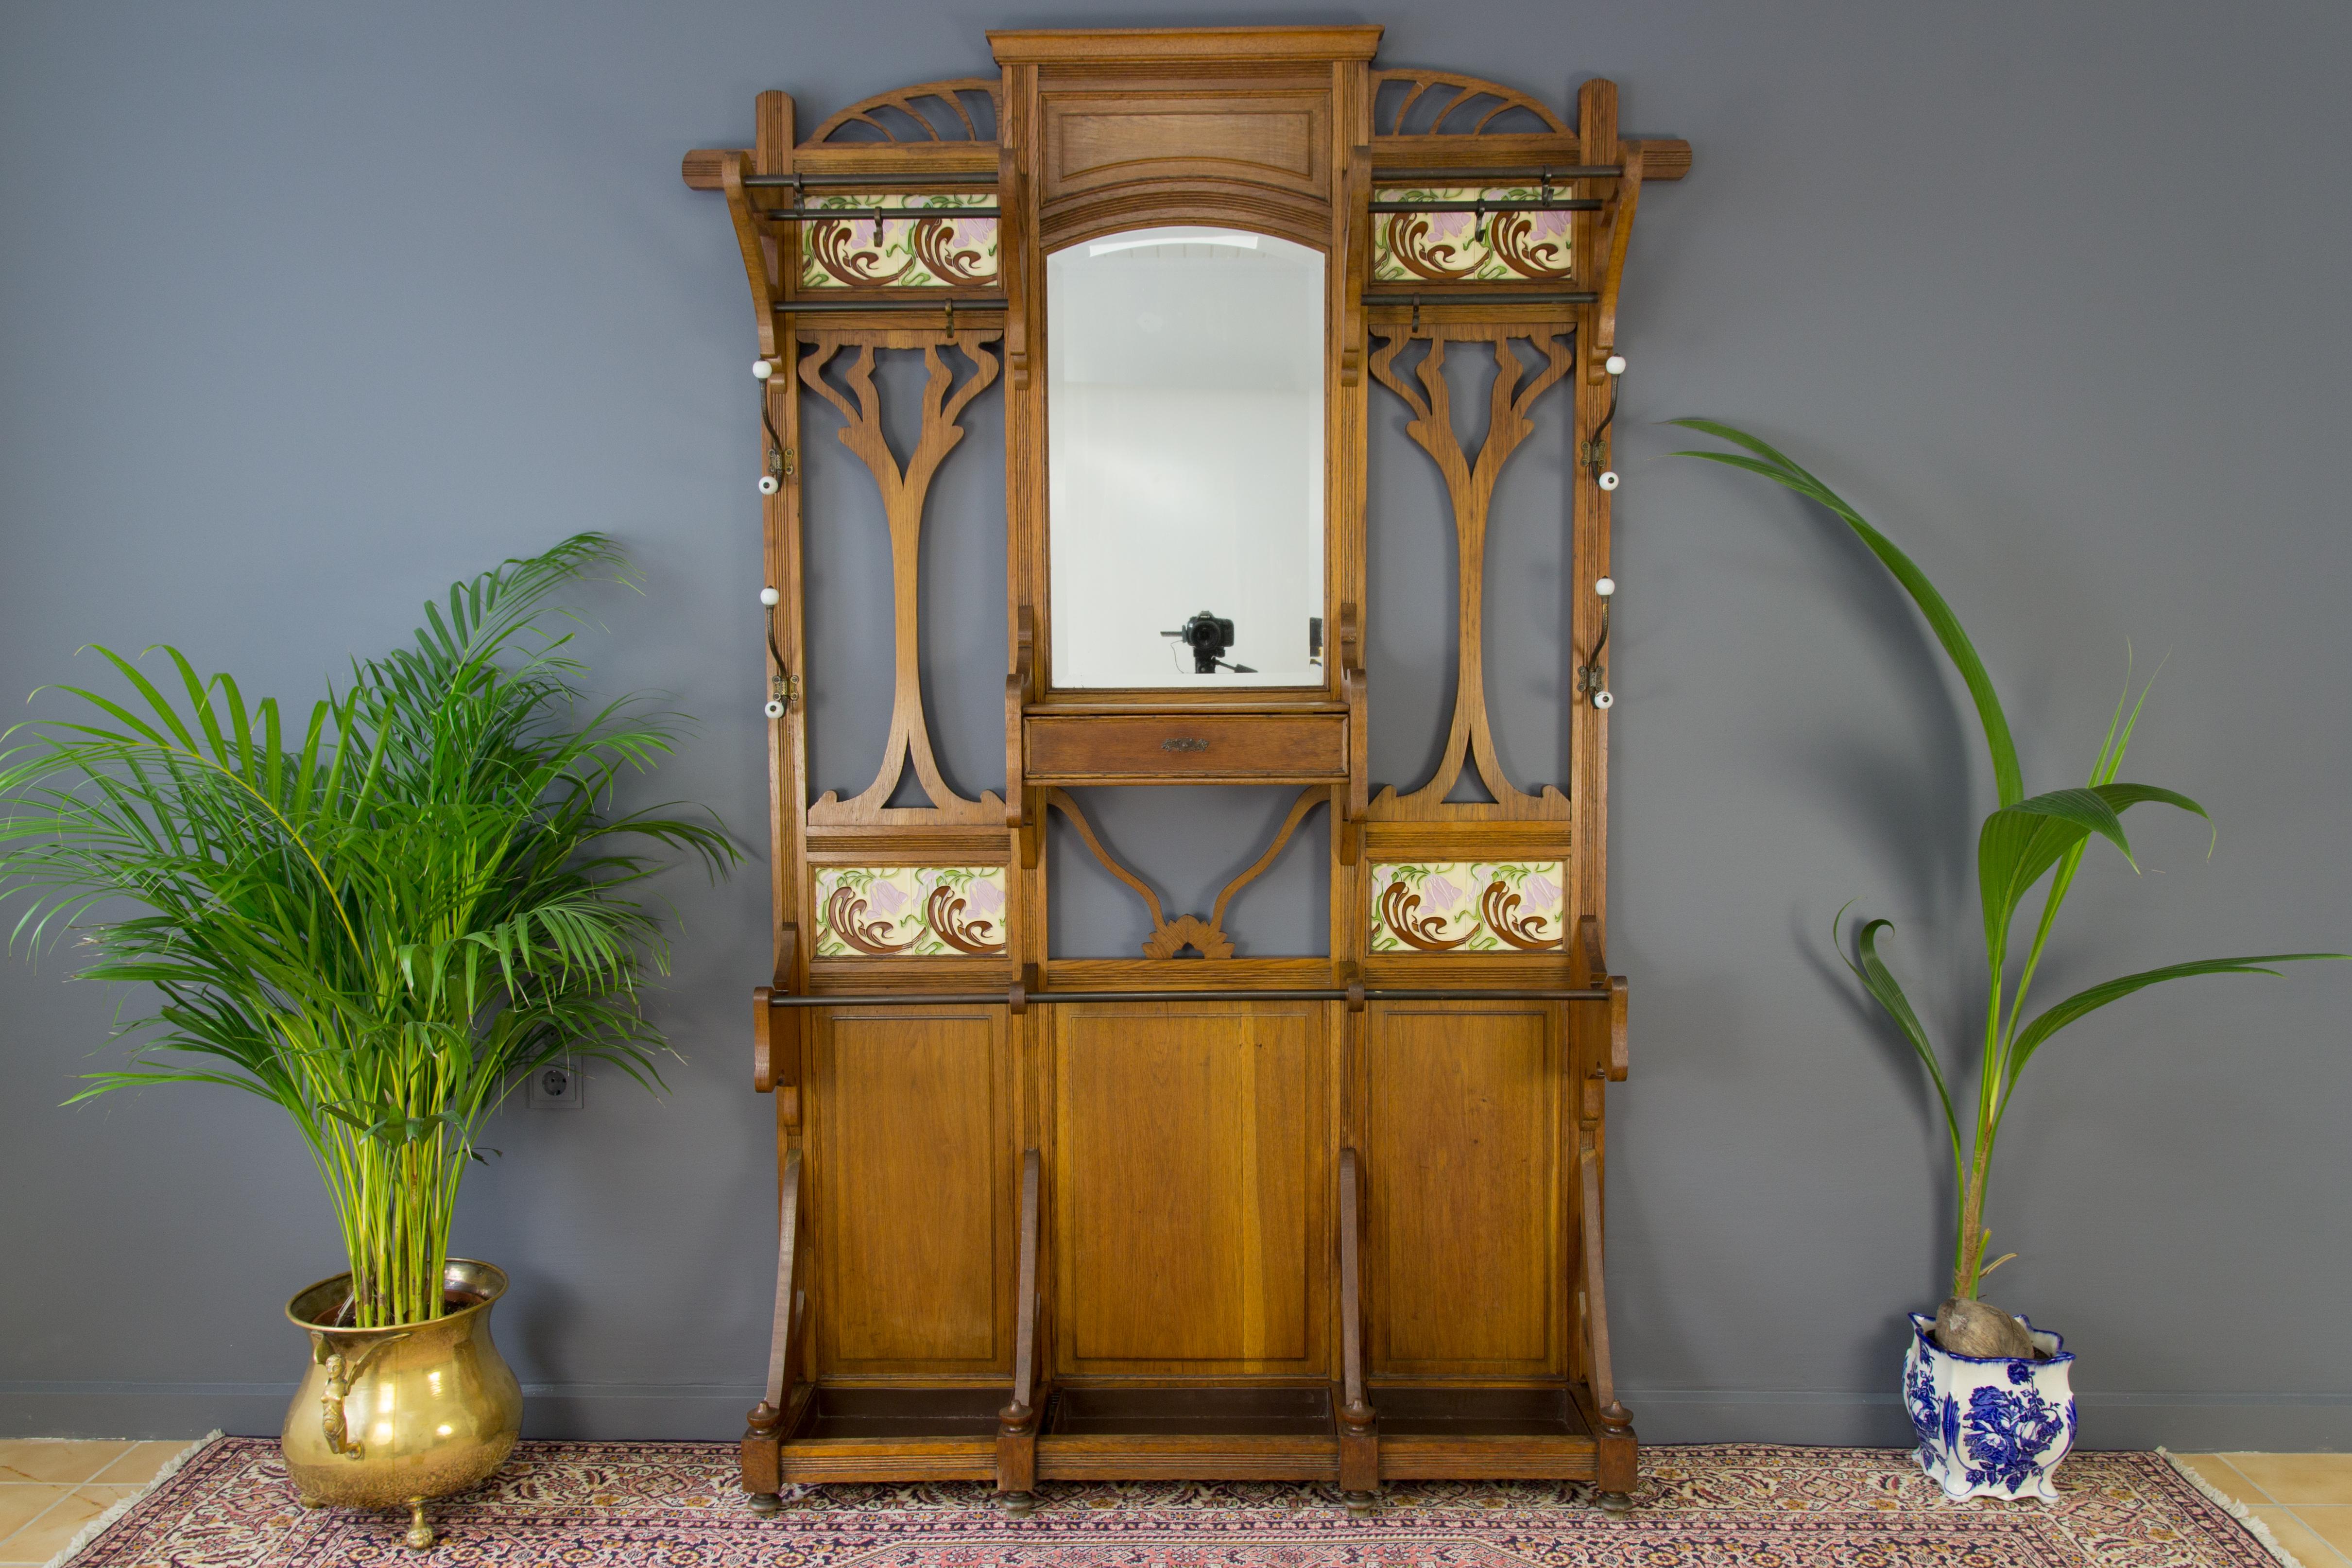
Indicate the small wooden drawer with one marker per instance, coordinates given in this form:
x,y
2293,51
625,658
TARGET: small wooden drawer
x,y
1187,748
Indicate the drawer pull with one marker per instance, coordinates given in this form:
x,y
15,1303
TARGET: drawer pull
x,y
1184,743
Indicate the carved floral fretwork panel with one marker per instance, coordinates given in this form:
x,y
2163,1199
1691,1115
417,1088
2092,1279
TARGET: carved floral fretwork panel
x,y
896,252
1468,906
909,912
904,486
1470,481
1467,246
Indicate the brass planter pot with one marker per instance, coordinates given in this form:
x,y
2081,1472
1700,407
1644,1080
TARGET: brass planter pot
x,y
396,1417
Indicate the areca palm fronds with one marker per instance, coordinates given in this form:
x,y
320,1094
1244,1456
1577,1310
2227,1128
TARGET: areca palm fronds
x,y
2025,839
382,924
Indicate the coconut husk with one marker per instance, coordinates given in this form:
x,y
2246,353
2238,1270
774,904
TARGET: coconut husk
x,y
1979,1329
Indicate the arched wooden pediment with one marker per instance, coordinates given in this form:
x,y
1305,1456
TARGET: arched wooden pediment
x,y
1443,103
900,115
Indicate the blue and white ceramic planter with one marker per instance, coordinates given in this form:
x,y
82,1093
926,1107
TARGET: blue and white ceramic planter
x,y
1989,1427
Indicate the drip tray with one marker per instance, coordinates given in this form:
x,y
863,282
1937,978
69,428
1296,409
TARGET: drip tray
x,y
901,1413
1190,1412
1476,1412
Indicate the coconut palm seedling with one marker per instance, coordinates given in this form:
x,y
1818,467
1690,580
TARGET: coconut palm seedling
x,y
2027,838
381,928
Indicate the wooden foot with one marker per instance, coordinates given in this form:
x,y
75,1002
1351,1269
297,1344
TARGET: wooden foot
x,y
420,1530
1361,1505
764,1503
1615,1503
1017,1505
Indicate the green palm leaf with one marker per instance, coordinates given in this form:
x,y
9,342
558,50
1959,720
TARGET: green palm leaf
x,y
2008,781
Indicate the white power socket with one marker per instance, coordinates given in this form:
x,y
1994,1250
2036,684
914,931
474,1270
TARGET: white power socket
x,y
555,1087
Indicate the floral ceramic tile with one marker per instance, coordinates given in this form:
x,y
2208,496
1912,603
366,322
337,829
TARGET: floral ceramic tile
x,y
909,912
899,253
1468,906
1467,247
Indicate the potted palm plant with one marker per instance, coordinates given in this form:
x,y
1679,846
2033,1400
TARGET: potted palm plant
x,y
383,924
1988,1394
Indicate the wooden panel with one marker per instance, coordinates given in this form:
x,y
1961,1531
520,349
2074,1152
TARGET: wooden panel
x,y
1461,1158
1189,748
1096,141
913,1192
1190,1176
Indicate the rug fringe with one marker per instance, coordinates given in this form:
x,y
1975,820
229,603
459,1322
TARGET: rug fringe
x,y
2229,1505
89,1532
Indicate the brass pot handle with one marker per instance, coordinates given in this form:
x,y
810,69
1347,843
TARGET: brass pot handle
x,y
342,1372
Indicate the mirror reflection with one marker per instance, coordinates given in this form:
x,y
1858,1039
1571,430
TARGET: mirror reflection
x,y
1184,410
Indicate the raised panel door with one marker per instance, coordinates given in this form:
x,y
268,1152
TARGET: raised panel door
x,y
1461,1164
1189,1212
912,1192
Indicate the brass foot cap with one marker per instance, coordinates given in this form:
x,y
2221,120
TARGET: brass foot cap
x,y
765,1502
1019,1505
1614,1502
420,1531
1362,1505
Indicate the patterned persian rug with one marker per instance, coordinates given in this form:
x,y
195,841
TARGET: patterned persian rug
x,y
675,1505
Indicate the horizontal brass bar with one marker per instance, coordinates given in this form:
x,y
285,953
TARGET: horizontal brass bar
x,y
939,302
846,214
1562,205
1041,998
866,182
1518,176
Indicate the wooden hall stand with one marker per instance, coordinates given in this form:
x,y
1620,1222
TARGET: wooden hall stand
x,y
1333,1218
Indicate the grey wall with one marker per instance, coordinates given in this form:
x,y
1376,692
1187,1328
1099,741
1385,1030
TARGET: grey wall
x,y
306,311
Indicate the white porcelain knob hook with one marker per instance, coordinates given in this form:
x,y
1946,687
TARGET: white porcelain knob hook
x,y
763,368
1604,700
1614,365
769,484
770,596
1609,480
775,709
1606,587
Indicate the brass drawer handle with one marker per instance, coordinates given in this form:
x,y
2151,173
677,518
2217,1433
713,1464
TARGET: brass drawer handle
x,y
1184,743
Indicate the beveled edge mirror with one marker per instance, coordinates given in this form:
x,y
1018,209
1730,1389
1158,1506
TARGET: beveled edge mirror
x,y
1185,447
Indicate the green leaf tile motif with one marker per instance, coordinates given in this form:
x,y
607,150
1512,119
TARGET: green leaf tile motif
x,y
909,912
1469,906
930,252
1463,246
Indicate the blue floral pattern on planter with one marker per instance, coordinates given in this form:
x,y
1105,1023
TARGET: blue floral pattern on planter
x,y
1989,1427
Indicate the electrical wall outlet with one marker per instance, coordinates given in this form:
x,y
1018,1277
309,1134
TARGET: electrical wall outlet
x,y
555,1086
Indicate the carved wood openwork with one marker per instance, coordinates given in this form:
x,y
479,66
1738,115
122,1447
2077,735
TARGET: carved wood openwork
x,y
904,490
1470,486
900,116
1169,939
1440,96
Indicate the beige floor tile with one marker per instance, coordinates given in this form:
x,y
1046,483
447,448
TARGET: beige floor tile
x,y
41,1460
139,1464
2294,1478
2289,1531
2332,1523
2216,1472
20,1503
47,1536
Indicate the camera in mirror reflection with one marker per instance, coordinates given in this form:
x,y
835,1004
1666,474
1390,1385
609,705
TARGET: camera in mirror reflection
x,y
1209,635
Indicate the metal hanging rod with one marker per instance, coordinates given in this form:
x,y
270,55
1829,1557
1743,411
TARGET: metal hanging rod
x,y
1557,205
843,214
949,304
866,182
1576,296
1042,998
1518,176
